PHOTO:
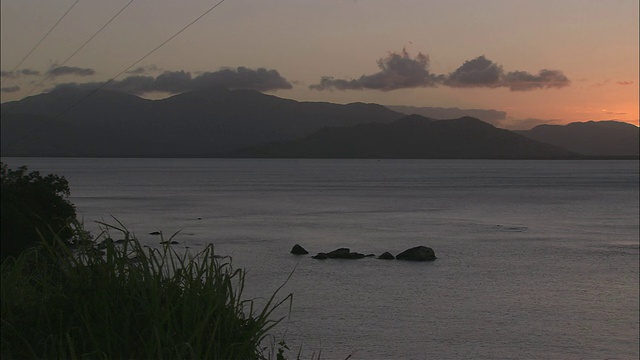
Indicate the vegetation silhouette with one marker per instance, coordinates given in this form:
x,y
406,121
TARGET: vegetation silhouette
x,y
66,294
33,206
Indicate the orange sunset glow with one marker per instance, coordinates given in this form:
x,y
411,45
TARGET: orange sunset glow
x,y
579,58
320,179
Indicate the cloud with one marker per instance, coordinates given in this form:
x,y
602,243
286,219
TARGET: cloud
x,y
243,78
175,82
29,72
474,73
400,71
603,83
482,72
17,73
522,80
143,70
69,70
10,89
134,85
397,71
625,82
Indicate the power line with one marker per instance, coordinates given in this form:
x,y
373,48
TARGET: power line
x,y
139,60
120,73
41,40
52,72
162,44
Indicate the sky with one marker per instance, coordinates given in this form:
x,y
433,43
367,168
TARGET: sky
x,y
526,62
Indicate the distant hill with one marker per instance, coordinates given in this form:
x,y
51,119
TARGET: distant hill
x,y
440,113
199,123
413,137
220,122
602,138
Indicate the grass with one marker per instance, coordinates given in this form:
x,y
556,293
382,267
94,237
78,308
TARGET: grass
x,y
115,300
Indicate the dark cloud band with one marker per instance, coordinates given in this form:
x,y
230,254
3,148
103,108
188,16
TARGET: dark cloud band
x,y
397,71
70,70
17,73
144,70
175,82
475,73
545,79
400,71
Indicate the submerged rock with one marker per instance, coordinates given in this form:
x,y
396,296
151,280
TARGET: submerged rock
x,y
341,253
418,253
344,253
386,256
298,250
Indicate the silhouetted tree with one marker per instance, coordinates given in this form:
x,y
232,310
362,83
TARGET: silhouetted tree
x,y
31,202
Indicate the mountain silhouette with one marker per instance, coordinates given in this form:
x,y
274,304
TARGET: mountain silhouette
x,y
199,123
413,137
601,138
219,122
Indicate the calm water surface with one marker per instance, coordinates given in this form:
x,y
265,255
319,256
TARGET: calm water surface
x,y
536,259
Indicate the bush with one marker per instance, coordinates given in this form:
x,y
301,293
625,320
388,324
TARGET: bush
x,y
120,300
31,205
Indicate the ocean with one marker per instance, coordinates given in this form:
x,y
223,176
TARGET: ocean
x,y
536,259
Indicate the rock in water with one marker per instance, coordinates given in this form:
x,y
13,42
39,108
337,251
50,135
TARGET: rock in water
x,y
342,253
418,253
386,256
298,250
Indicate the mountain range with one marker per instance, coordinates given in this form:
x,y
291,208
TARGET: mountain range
x,y
219,122
599,138
199,123
413,137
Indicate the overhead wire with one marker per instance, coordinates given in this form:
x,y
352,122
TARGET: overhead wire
x,y
52,71
161,45
55,117
102,86
40,42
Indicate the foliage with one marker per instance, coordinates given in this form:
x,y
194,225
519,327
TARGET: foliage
x,y
33,204
119,299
